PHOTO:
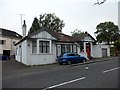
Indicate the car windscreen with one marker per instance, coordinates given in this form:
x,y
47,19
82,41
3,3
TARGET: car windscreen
x,y
71,54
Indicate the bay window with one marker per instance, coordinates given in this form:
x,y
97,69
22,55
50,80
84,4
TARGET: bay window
x,y
41,46
44,47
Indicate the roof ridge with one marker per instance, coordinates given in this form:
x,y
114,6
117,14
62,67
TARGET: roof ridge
x,y
6,32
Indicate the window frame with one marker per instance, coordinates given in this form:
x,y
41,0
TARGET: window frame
x,y
2,42
34,46
43,51
44,47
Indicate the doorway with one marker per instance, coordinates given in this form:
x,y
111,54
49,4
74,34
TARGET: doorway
x,y
104,52
6,52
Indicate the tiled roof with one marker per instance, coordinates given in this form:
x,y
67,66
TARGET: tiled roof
x,y
59,36
82,36
9,33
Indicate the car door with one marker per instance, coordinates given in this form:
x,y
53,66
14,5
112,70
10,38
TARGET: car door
x,y
77,57
70,57
81,59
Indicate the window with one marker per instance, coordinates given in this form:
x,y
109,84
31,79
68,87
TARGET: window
x,y
63,48
68,48
71,54
81,47
44,47
74,48
2,42
34,46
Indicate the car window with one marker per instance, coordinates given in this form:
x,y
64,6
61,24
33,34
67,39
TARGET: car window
x,y
77,55
71,54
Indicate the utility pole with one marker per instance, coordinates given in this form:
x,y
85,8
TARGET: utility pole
x,y
21,18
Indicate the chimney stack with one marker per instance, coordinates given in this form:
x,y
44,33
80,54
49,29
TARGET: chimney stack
x,y
24,29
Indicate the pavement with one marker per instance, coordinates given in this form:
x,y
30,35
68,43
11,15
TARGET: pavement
x,y
13,67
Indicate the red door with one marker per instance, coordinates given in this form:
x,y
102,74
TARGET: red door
x,y
88,49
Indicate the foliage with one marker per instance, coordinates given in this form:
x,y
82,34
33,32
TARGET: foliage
x,y
77,32
51,21
117,45
112,51
35,25
107,32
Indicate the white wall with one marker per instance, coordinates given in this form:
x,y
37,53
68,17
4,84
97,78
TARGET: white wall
x,y
8,44
24,52
97,50
40,59
18,53
44,35
21,54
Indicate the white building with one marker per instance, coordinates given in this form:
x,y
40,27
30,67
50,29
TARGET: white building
x,y
43,47
7,40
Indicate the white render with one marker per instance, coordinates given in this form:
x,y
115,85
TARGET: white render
x,y
24,49
44,35
25,55
8,44
97,49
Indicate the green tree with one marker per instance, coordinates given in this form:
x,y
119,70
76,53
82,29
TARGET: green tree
x,y
77,32
35,26
117,47
107,32
51,21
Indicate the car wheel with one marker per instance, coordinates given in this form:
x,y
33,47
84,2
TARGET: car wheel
x,y
84,60
69,62
60,63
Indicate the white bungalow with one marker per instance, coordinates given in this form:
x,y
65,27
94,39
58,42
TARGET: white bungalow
x,y
43,47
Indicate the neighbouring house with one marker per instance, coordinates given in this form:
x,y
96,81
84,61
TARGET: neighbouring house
x,y
7,40
43,47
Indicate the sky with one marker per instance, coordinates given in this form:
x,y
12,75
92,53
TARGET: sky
x,y
76,14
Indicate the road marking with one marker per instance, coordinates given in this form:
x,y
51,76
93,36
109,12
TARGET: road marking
x,y
64,83
111,70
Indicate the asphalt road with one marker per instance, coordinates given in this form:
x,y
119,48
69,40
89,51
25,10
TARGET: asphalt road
x,y
98,75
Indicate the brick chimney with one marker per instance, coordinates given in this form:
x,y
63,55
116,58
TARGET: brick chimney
x,y
24,27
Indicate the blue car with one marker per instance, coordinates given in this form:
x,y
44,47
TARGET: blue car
x,y
69,58
4,57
